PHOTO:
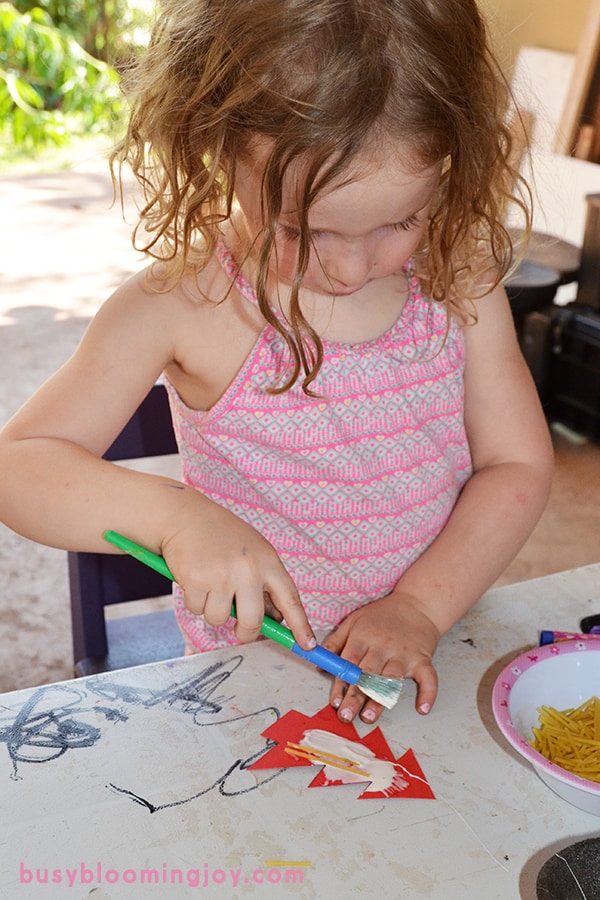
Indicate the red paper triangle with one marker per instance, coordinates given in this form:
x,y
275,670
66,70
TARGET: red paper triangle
x,y
409,780
410,783
283,730
376,742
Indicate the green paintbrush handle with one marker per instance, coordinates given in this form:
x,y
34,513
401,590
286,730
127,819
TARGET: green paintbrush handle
x,y
319,656
153,560
270,628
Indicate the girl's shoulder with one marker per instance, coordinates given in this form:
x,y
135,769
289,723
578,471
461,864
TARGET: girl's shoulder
x,y
195,299
213,329
196,289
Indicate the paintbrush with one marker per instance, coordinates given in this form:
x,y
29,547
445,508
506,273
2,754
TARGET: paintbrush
x,y
383,690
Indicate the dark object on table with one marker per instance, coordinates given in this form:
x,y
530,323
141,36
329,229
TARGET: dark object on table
x,y
548,263
588,623
554,253
588,291
575,370
98,580
561,346
536,345
572,873
529,288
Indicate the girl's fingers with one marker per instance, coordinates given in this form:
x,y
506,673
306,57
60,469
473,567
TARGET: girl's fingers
x,y
252,604
350,702
354,702
336,694
371,712
250,612
336,639
270,608
217,607
427,688
372,650
285,597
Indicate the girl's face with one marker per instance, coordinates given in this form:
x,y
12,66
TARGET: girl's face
x,y
361,231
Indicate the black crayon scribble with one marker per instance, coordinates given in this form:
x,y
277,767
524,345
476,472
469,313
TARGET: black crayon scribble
x,y
49,723
55,719
192,696
239,765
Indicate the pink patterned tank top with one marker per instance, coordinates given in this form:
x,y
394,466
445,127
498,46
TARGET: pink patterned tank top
x,y
350,487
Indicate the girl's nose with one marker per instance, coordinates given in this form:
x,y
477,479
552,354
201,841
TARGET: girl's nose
x,y
349,265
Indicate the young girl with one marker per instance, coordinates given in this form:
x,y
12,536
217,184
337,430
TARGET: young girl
x,y
363,450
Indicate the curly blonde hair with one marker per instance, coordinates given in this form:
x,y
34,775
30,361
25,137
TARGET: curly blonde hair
x,y
322,80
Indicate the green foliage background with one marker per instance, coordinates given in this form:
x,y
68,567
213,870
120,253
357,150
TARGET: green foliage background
x,y
59,65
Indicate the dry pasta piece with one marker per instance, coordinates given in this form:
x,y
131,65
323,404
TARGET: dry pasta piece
x,y
570,738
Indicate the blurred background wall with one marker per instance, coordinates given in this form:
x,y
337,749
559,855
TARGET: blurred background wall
x,y
554,24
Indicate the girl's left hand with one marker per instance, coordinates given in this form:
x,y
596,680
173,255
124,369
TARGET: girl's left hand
x,y
391,637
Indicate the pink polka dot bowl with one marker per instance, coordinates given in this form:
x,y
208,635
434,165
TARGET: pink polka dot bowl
x,y
562,675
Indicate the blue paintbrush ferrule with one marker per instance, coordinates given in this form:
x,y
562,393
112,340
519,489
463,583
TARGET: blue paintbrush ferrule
x,y
335,665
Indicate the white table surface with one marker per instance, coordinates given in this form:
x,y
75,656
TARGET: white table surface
x,y
105,777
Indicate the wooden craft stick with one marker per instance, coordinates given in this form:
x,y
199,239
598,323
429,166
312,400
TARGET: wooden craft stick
x,y
306,749
314,756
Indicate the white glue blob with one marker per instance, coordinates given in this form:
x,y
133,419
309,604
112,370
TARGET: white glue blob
x,y
382,774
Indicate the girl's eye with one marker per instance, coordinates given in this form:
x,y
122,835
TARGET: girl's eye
x,y
293,234
407,224
289,233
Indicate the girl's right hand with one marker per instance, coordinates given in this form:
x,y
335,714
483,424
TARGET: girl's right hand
x,y
215,558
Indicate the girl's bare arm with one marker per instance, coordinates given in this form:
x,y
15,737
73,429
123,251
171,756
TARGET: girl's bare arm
x,y
496,511
57,490
512,472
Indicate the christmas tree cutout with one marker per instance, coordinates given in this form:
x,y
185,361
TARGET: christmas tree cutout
x,y
343,756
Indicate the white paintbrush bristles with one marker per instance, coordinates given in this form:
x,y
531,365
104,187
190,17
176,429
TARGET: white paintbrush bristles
x,y
383,690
